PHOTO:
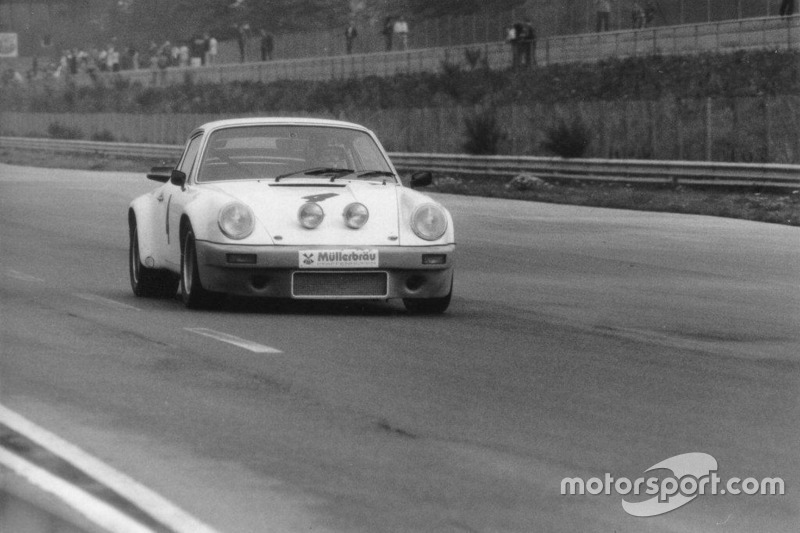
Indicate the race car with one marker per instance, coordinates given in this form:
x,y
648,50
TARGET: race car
x,y
290,208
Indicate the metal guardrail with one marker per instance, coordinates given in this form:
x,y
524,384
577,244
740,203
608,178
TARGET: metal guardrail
x,y
606,170
93,147
610,170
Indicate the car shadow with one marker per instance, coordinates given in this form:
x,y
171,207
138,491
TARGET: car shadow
x,y
244,305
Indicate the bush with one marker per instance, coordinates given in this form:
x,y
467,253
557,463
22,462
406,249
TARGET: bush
x,y
483,133
473,57
58,131
567,139
104,136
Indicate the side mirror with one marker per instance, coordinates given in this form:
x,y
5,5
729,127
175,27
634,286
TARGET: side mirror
x,y
177,178
421,179
160,174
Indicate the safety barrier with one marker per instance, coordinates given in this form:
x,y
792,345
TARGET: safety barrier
x,y
607,170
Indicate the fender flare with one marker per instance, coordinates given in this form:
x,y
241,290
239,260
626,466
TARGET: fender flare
x,y
144,214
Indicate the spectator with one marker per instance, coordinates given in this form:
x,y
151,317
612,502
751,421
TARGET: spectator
x,y
241,40
637,16
526,40
175,55
267,45
154,69
511,39
112,59
787,8
387,31
198,51
72,61
92,62
350,35
102,59
185,55
212,48
401,29
603,14
649,13
133,58
163,61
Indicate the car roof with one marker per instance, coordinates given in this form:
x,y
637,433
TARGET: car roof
x,y
278,121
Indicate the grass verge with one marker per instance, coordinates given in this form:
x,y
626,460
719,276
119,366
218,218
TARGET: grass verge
x,y
777,207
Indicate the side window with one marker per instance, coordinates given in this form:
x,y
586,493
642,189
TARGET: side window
x,y
368,153
190,155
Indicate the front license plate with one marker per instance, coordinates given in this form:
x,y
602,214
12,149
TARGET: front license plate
x,y
338,258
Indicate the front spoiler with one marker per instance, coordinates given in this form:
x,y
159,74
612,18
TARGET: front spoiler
x,y
271,274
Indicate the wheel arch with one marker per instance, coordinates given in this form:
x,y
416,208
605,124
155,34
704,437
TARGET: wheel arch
x,y
142,215
185,224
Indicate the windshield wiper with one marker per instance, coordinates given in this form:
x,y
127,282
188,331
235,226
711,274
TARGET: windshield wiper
x,y
370,173
318,171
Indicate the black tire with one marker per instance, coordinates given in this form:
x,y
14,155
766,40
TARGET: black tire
x,y
148,282
193,294
429,306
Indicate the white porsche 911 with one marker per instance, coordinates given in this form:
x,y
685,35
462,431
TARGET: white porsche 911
x,y
289,208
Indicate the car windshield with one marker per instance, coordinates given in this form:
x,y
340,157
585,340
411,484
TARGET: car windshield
x,y
289,152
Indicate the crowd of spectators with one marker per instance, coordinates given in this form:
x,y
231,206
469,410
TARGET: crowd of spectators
x,y
196,52
202,50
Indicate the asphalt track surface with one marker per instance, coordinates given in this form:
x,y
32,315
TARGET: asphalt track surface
x,y
580,342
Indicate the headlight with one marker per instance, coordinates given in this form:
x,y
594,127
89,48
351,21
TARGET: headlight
x,y
355,215
429,222
310,215
236,220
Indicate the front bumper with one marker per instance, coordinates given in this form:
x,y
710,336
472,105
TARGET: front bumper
x,y
271,270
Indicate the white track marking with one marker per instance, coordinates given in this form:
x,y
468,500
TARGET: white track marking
x,y
145,499
81,502
232,339
22,276
106,301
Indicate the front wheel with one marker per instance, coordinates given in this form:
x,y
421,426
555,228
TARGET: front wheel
x,y
193,294
148,282
429,306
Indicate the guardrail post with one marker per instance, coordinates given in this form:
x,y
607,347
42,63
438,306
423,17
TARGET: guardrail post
x,y
708,130
767,129
547,51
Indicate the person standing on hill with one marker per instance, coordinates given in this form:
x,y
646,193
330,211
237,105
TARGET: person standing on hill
x,y
401,30
511,39
525,43
603,8
267,45
787,8
388,31
637,16
350,35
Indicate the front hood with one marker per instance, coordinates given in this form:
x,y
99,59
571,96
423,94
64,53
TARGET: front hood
x,y
276,205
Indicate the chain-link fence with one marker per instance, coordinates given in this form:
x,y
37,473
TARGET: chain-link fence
x,y
748,130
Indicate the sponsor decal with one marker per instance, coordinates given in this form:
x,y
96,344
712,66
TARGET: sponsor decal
x,y
319,197
8,45
338,258
690,475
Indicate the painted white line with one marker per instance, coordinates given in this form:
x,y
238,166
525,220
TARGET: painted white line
x,y
106,301
147,500
79,501
232,339
24,277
